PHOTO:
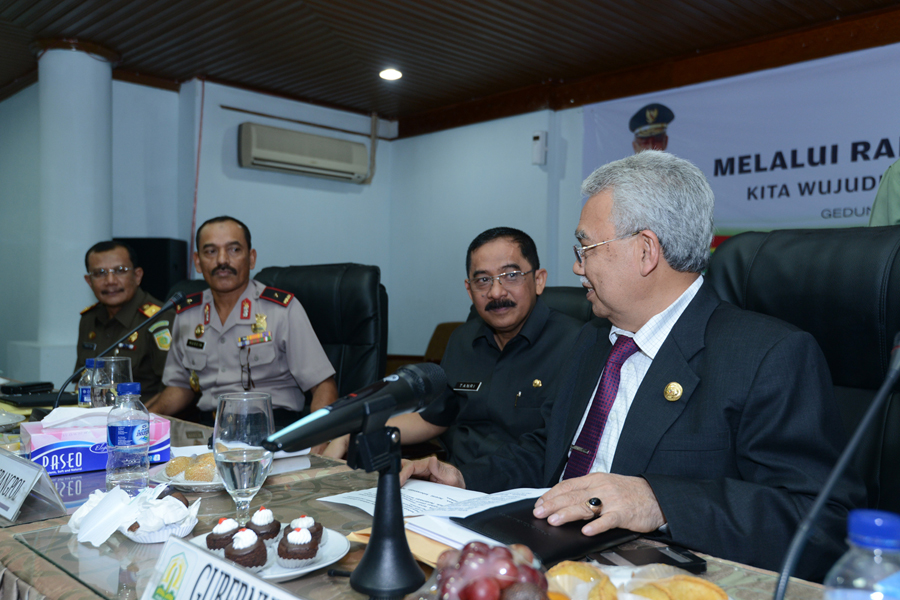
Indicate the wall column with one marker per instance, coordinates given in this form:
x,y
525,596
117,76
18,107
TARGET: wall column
x,y
75,107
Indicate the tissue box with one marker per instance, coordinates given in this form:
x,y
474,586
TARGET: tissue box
x,y
77,449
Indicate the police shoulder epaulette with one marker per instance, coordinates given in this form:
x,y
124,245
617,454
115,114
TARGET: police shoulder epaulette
x,y
189,302
277,296
149,309
89,307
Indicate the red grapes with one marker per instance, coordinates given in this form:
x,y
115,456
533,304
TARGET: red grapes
x,y
479,572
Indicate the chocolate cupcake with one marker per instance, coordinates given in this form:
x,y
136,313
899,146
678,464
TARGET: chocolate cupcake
x,y
296,549
305,522
264,524
247,550
221,535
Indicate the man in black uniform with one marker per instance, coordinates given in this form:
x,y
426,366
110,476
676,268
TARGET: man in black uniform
x,y
501,364
115,279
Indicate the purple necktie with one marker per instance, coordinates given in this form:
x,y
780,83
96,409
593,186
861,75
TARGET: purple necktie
x,y
585,448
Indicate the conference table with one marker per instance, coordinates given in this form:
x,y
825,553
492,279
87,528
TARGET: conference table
x,y
44,559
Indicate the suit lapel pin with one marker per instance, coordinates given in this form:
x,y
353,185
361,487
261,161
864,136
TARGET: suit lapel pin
x,y
536,383
673,391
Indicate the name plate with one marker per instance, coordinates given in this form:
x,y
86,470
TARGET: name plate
x,y
185,571
18,478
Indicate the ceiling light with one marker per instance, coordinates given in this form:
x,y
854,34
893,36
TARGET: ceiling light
x,y
391,74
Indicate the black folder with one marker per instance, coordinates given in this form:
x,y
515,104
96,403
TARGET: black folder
x,y
514,523
33,400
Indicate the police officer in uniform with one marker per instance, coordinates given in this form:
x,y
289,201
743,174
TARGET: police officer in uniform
x,y
240,335
115,279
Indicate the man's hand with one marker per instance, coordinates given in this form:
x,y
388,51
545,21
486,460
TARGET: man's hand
x,y
337,448
628,502
432,469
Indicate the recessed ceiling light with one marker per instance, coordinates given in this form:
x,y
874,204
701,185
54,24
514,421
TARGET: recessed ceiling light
x,y
391,74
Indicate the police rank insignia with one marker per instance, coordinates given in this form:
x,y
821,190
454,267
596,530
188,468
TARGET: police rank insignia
x,y
195,382
133,337
149,309
198,331
672,392
277,296
245,308
206,314
260,324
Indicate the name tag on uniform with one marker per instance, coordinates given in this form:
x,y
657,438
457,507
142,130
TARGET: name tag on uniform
x,y
196,344
89,346
467,386
254,338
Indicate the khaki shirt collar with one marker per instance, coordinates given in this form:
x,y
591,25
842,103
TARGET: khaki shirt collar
x,y
254,289
126,314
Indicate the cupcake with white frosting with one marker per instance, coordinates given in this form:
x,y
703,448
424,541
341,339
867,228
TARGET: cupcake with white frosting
x,y
265,525
296,549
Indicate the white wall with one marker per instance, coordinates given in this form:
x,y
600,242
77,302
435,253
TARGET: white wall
x,y
452,185
294,219
19,219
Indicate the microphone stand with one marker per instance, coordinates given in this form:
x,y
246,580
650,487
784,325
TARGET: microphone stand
x,y
803,530
387,568
175,299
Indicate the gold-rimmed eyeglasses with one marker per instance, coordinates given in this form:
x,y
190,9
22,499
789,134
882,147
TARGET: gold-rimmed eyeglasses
x,y
119,271
580,250
512,279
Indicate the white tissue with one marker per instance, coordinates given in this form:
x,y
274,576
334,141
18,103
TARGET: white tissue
x,y
71,416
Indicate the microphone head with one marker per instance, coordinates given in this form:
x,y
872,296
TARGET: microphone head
x,y
428,381
177,297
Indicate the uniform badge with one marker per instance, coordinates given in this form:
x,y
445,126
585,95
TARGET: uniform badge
x,y
467,386
196,344
245,308
92,335
260,324
198,331
149,309
163,339
133,337
672,392
206,314
195,382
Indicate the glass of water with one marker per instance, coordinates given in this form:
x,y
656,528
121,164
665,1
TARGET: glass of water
x,y
243,422
109,372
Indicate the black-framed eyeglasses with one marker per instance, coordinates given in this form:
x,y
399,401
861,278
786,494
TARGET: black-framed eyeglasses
x,y
510,280
246,382
119,271
580,250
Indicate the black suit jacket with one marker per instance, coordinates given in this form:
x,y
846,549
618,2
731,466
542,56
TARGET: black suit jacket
x,y
737,461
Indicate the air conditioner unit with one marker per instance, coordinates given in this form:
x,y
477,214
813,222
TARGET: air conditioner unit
x,y
286,151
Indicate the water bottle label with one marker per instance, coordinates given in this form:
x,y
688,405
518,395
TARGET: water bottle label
x,y
84,396
128,435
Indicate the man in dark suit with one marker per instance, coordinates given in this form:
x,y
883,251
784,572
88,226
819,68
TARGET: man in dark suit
x,y
721,426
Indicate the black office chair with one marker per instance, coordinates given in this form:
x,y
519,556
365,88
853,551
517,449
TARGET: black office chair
x,y
347,307
843,287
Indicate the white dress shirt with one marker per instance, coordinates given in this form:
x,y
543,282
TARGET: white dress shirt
x,y
649,339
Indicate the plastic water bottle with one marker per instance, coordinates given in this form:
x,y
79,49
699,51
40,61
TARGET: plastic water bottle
x,y
128,441
84,384
871,567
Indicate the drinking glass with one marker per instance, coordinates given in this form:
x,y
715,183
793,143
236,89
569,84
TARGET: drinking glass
x,y
243,421
109,372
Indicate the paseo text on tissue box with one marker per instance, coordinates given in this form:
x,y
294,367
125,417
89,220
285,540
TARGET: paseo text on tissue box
x,y
76,449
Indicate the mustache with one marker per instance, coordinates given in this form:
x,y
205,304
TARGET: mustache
x,y
495,304
226,268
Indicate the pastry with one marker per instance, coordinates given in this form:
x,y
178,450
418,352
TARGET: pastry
x,y
247,550
565,576
296,548
221,534
681,587
265,525
306,522
169,491
177,465
200,471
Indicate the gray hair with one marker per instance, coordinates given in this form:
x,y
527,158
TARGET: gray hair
x,y
665,194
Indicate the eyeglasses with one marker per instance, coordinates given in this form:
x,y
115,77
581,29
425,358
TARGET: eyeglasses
x,y
119,271
511,280
245,368
580,250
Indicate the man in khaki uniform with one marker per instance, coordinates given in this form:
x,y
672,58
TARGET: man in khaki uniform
x,y
240,335
114,277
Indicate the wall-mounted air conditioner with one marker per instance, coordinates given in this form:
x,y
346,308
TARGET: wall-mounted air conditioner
x,y
286,151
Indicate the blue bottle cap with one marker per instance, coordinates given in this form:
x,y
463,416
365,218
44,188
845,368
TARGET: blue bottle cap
x,y
89,363
874,529
130,387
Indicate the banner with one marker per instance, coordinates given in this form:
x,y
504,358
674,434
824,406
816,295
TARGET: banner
x,y
802,146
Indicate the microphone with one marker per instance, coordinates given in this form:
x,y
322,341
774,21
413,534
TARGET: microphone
x,y
411,388
803,530
175,299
